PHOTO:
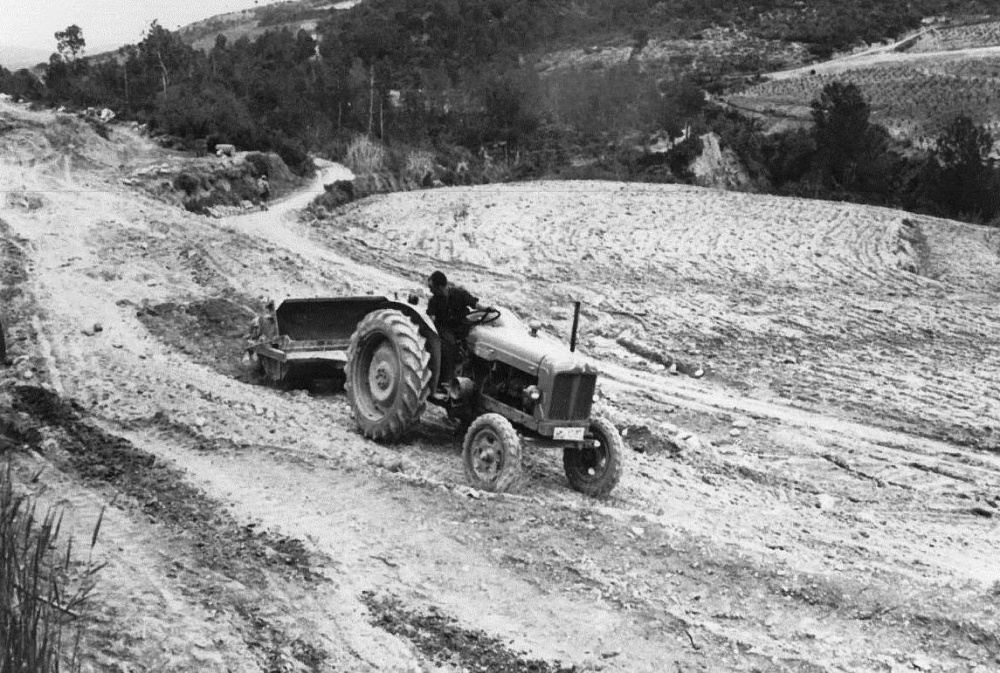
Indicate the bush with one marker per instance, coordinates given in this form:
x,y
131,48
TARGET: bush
x,y
365,155
21,84
35,601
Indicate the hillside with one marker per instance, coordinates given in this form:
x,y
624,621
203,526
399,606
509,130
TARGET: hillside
x,y
825,498
251,23
915,86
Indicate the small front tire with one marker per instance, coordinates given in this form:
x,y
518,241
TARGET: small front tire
x,y
595,470
491,454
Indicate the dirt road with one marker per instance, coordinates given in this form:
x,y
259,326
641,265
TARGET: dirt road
x,y
827,496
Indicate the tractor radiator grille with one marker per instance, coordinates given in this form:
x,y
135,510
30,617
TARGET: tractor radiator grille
x,y
572,395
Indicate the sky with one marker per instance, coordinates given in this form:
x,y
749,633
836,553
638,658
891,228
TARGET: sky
x,y
105,23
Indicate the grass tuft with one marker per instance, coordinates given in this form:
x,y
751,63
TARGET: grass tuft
x,y
39,598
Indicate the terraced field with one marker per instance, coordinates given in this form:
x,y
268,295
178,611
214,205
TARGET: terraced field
x,y
914,87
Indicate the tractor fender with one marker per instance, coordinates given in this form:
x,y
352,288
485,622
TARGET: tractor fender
x,y
427,330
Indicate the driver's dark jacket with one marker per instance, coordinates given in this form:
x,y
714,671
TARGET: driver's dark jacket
x,y
450,310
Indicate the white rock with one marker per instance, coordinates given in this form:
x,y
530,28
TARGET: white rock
x,y
825,501
693,443
668,428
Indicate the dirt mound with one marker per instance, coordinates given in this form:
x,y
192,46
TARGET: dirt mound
x,y
66,140
447,644
62,143
340,192
210,331
215,186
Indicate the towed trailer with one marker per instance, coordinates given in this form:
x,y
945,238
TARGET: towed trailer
x,y
309,338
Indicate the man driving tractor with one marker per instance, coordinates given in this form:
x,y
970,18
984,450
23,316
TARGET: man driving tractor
x,y
448,306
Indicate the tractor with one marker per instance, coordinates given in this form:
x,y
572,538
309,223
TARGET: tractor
x,y
513,386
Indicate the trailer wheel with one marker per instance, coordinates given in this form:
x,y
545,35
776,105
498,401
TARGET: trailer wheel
x,y
491,453
387,375
595,470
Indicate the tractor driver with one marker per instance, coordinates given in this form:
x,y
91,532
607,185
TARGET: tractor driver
x,y
448,306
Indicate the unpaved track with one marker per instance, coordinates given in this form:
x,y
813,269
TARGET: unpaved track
x,y
803,534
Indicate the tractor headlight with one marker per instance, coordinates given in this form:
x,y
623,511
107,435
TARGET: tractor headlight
x,y
531,396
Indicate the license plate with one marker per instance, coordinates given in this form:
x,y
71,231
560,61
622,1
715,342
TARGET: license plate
x,y
571,434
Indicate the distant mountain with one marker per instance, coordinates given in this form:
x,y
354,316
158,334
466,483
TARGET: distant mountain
x,y
14,57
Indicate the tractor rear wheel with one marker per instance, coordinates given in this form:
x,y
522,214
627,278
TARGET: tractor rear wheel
x,y
387,375
491,453
595,470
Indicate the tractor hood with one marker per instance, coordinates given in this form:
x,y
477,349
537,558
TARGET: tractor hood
x,y
509,340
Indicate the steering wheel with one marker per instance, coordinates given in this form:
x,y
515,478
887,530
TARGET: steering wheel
x,y
482,316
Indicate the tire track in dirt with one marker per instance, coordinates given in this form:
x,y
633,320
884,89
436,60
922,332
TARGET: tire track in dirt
x,y
238,553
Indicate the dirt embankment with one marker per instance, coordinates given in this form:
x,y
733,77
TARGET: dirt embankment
x,y
825,498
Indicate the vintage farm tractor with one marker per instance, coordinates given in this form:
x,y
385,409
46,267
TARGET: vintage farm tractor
x,y
513,386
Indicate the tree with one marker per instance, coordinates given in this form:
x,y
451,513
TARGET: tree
x,y
681,102
842,129
65,68
963,146
847,143
161,55
962,178
70,43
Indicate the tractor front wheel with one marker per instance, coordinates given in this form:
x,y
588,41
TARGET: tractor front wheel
x,y
387,375
595,470
491,453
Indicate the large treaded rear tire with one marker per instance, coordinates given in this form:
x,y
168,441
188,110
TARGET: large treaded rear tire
x,y
388,375
595,471
491,454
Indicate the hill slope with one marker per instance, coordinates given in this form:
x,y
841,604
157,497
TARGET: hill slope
x,y
828,502
915,86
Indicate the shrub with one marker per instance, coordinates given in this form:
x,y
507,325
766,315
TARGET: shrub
x,y
365,155
187,183
419,163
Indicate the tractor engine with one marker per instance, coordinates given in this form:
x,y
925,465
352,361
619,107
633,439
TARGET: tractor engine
x,y
531,373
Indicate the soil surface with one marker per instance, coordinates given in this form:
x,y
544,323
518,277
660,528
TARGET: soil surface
x,y
825,498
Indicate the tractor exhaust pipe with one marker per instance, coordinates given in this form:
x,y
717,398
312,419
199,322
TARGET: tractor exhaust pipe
x,y
576,324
